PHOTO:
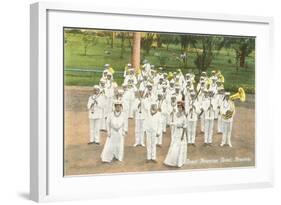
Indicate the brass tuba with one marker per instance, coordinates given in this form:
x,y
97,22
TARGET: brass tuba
x,y
239,95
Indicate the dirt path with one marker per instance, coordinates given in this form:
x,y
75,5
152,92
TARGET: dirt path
x,y
81,158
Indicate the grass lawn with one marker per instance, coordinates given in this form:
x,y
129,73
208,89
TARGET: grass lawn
x,y
102,53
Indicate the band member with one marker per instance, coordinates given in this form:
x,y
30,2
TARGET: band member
x,y
109,94
152,127
102,95
126,69
219,99
202,113
131,77
131,88
143,83
192,110
139,118
172,110
104,75
209,106
146,67
177,153
178,92
114,145
186,92
95,107
227,110
120,96
162,109
213,85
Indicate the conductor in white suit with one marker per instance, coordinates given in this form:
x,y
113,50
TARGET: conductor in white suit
x,y
152,127
114,145
95,107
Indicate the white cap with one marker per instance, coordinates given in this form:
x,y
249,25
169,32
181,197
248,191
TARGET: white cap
x,y
159,93
102,80
227,93
96,87
174,95
117,102
120,91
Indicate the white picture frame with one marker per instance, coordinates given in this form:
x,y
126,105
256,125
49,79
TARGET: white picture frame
x,y
46,179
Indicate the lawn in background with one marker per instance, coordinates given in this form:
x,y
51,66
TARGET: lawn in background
x,y
102,53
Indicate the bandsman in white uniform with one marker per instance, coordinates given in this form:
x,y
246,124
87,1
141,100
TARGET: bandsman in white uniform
x,y
152,127
126,69
146,67
95,107
139,114
209,106
192,110
162,109
114,145
203,98
109,94
219,99
102,95
227,110
172,110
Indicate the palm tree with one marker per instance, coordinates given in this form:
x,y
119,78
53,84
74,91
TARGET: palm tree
x,y
136,50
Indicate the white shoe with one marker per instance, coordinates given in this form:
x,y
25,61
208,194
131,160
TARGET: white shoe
x,y
135,145
222,144
230,145
143,145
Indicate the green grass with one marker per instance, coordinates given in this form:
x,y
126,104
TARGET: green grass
x,y
96,58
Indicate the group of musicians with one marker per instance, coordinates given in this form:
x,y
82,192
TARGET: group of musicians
x,y
157,100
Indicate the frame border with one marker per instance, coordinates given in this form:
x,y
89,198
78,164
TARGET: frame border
x,y
39,176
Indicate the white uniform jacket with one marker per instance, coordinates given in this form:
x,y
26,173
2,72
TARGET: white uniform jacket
x,y
209,107
95,106
225,106
152,123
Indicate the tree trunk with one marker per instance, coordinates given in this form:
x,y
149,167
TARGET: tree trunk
x,y
122,46
112,39
242,59
136,50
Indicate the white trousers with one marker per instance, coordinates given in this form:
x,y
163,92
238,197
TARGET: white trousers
x,y
103,124
151,145
208,132
159,139
164,122
219,124
226,132
202,122
139,131
131,108
95,130
191,131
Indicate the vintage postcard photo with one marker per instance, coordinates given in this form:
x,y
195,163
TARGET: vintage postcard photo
x,y
139,101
